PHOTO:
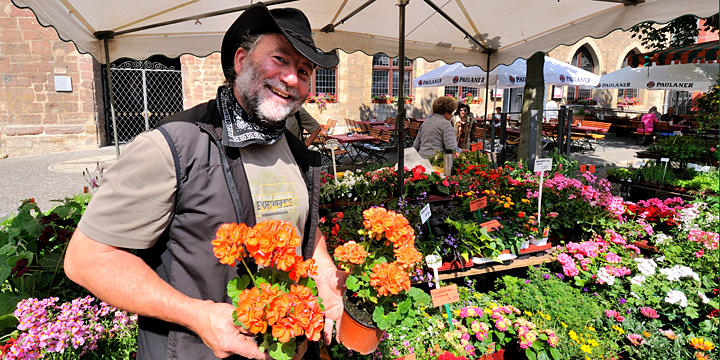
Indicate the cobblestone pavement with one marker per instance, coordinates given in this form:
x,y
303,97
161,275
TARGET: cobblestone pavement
x,y
55,176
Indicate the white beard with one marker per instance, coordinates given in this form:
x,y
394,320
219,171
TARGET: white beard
x,y
249,84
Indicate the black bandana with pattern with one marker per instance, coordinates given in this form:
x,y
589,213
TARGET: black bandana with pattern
x,y
238,129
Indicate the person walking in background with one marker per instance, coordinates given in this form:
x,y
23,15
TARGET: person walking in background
x,y
144,243
463,122
436,133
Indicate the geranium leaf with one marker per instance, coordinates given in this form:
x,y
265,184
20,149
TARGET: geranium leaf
x,y
404,306
537,345
383,321
419,296
352,283
282,351
543,337
236,286
530,354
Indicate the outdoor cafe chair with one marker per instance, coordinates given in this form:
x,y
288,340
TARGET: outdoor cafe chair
x,y
370,151
634,126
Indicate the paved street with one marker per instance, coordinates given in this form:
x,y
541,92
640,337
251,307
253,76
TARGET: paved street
x,y
55,176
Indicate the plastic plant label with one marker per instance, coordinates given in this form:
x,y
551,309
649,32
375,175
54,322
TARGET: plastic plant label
x,y
478,203
445,295
665,159
677,132
491,225
433,261
410,356
543,165
587,168
425,213
476,146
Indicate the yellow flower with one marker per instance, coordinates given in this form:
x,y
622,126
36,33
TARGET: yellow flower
x,y
701,356
492,305
701,344
646,334
591,328
486,191
506,205
618,329
563,324
586,348
457,312
525,201
444,315
527,313
487,311
593,343
547,317
573,335
512,203
512,188
492,192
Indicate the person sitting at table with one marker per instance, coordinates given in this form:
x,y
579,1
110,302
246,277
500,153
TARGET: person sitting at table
x,y
436,133
496,116
671,117
463,122
648,121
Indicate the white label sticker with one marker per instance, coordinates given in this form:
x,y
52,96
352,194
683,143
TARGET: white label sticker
x,y
63,83
665,159
543,165
433,261
425,213
677,132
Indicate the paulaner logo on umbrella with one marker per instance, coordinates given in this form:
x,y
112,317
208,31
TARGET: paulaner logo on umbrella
x,y
455,80
562,78
650,84
512,79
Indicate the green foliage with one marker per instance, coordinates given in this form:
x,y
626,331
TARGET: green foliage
x,y
703,182
622,173
708,104
682,31
563,164
683,149
657,173
474,240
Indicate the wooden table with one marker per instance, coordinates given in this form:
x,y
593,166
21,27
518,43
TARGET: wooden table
x,y
386,126
346,140
371,123
588,129
680,127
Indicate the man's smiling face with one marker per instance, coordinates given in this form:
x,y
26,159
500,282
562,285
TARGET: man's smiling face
x,y
273,79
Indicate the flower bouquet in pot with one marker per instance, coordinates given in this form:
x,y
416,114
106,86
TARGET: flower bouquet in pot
x,y
378,293
278,302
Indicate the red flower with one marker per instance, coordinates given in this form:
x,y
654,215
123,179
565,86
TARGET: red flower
x,y
521,214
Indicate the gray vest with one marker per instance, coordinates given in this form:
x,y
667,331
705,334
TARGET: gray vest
x,y
212,189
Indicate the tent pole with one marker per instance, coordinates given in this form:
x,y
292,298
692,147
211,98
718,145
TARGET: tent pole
x,y
400,120
492,123
108,77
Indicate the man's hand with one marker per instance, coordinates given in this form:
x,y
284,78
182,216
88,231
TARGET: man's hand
x,y
214,324
331,286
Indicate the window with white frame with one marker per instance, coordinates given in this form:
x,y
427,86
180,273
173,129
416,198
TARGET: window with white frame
x,y
385,76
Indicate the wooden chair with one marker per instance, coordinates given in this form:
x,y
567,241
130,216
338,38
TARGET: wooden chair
x,y
351,125
365,128
662,129
634,126
390,120
330,123
373,150
327,151
595,138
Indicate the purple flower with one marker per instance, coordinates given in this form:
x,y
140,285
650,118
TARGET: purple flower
x,y
585,289
561,276
622,301
527,281
546,276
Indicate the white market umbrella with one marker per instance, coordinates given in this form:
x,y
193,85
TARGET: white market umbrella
x,y
662,77
455,74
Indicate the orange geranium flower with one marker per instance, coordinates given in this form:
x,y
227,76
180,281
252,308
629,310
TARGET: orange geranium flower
x,y
227,245
407,256
303,269
351,252
250,310
286,258
374,218
389,278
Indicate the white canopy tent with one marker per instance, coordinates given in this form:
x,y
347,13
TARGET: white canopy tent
x,y
501,30
506,76
662,77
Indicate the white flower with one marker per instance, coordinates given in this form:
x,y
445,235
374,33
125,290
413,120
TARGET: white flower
x,y
646,266
637,280
633,294
704,298
660,258
604,277
661,238
676,297
677,272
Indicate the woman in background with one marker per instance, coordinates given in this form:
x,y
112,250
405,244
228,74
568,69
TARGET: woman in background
x,y
436,133
463,122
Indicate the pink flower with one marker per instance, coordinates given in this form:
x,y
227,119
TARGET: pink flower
x,y
612,258
611,313
649,312
636,339
618,272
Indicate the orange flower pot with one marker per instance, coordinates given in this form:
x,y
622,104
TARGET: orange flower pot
x,y
358,337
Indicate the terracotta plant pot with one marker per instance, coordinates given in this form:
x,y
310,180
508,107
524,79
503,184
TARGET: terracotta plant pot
x,y
358,337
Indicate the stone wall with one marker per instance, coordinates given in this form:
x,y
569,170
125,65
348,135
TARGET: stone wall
x,y
34,118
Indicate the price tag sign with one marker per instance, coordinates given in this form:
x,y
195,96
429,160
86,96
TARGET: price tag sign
x,y
491,225
587,168
445,295
677,132
425,213
665,159
478,203
543,165
476,146
410,356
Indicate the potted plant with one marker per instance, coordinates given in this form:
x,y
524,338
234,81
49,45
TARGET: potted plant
x,y
382,99
277,303
409,99
378,293
470,99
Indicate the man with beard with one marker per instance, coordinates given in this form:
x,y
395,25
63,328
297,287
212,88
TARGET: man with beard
x,y
229,160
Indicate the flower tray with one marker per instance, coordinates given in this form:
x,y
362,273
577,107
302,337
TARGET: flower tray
x,y
455,265
534,250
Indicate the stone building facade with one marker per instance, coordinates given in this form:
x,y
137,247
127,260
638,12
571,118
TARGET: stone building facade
x,y
35,118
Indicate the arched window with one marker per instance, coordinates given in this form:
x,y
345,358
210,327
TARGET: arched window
x,y
630,93
385,76
583,60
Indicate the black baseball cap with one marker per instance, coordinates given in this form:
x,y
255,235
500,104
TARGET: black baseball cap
x,y
290,22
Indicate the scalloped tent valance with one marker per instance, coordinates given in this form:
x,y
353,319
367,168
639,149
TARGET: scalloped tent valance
x,y
508,29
